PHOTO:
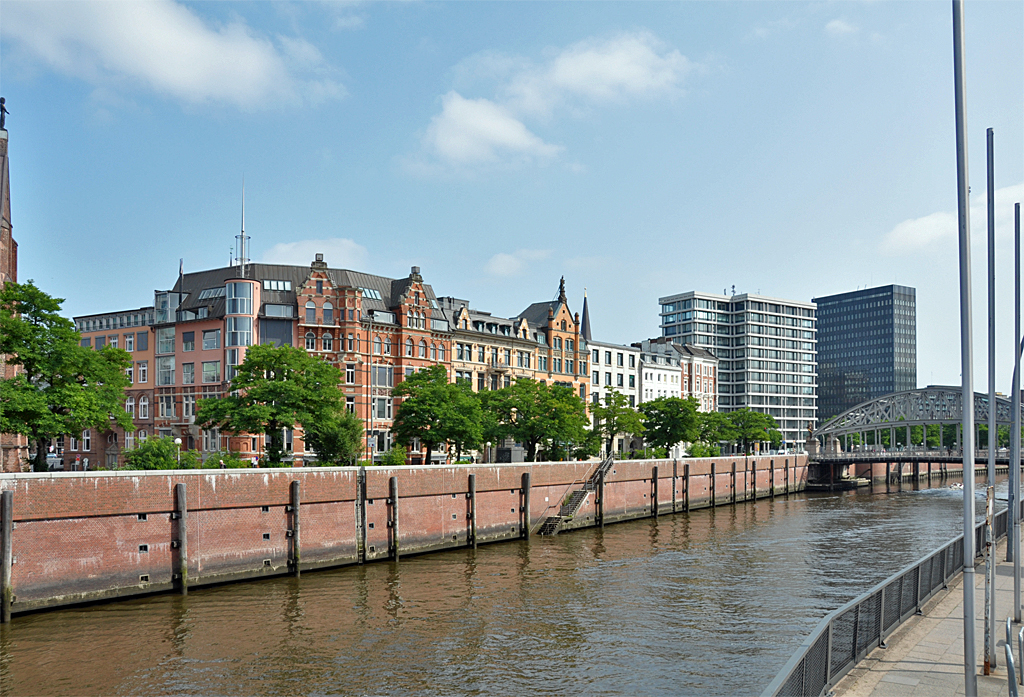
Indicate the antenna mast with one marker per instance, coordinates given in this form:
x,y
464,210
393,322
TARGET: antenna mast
x,y
241,239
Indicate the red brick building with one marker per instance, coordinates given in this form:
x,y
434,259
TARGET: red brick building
x,y
13,448
376,330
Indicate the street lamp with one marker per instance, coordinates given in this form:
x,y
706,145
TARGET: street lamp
x,y
177,447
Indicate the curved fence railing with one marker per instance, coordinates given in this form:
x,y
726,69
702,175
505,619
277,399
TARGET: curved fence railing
x,y
845,636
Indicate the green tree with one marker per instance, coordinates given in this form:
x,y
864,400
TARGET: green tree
x,y
337,438
613,416
394,457
436,411
276,388
155,454
670,420
753,426
538,416
63,388
714,427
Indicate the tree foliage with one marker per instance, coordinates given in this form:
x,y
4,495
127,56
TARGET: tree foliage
x,y
63,388
753,426
337,439
670,420
613,416
540,416
273,389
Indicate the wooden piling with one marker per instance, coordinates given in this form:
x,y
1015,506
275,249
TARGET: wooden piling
x,y
526,505
295,547
600,497
713,502
771,478
6,559
393,523
686,486
181,513
472,509
654,491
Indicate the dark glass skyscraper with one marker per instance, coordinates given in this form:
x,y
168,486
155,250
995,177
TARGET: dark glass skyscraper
x,y
867,346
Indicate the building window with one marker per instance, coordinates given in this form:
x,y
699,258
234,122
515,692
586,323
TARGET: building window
x,y
87,342
423,349
310,341
328,313
381,407
408,348
387,346
164,340
86,440
130,373
211,339
188,341
350,405
597,377
143,371
583,392
618,359
188,373
239,299
569,345
350,373
481,385
143,407
607,357
376,345
618,380
433,352
129,406
328,342
310,312
608,379
113,341
632,380
440,352
542,363
351,343
557,365
556,343
597,356
239,331
481,354
129,342
211,371
142,341
632,361
319,287
165,371
165,406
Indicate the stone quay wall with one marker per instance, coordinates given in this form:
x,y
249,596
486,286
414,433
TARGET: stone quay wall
x,y
79,537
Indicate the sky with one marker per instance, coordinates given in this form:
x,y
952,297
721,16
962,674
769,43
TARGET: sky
x,y
639,149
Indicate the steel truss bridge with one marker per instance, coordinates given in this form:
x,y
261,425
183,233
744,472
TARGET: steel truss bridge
x,y
936,404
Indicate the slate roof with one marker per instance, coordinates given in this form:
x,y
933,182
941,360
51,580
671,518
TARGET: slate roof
x,y
390,289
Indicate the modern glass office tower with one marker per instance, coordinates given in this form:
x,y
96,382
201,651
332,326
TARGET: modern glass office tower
x,y
766,350
867,346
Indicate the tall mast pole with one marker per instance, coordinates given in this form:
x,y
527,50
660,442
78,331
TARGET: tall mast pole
x,y
990,565
966,347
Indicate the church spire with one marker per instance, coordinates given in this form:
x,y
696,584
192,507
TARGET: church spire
x,y
585,322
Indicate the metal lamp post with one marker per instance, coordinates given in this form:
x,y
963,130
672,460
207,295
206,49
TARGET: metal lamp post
x,y
177,448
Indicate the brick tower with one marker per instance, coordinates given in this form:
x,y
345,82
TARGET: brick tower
x,y
13,448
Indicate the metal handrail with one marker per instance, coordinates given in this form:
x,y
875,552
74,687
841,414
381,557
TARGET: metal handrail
x,y
846,635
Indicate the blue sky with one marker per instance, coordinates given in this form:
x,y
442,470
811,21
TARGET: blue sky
x,y
639,149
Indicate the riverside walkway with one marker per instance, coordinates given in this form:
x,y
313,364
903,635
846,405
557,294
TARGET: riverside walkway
x,y
926,655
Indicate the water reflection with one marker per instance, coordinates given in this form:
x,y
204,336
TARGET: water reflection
x,y
710,602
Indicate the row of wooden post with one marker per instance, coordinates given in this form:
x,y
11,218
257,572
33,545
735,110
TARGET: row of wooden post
x,y
179,542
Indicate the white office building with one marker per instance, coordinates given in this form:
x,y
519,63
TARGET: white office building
x,y
766,350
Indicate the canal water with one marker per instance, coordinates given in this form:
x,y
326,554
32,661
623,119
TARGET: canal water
x,y
710,602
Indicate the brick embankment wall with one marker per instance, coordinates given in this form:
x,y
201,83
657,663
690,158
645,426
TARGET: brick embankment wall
x,y
86,536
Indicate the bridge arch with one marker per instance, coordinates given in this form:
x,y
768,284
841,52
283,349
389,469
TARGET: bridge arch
x,y
928,406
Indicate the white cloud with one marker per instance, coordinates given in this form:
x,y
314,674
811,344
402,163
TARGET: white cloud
x,y
507,265
487,131
839,27
339,253
473,131
349,22
626,66
166,48
939,230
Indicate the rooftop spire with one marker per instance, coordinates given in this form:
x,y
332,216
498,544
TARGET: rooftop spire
x,y
561,291
585,322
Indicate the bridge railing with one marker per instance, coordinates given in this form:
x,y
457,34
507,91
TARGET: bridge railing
x,y
845,636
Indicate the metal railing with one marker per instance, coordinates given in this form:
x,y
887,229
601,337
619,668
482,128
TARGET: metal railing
x,y
845,636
